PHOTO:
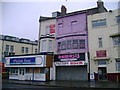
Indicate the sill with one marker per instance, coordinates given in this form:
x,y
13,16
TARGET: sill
x,y
99,27
115,24
116,46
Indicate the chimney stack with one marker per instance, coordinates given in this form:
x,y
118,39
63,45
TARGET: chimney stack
x,y
63,10
100,3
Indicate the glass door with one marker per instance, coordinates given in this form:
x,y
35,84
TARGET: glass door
x,y
21,73
102,73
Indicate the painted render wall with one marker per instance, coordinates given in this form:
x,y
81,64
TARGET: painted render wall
x,y
42,32
105,32
78,29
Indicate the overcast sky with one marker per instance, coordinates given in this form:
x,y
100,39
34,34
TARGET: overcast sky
x,y
21,19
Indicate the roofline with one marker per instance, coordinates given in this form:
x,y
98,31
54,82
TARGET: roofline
x,y
44,53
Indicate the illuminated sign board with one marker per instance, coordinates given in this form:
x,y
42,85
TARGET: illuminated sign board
x,y
27,60
70,57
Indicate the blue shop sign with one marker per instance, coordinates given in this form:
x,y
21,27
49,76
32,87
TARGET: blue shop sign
x,y
29,60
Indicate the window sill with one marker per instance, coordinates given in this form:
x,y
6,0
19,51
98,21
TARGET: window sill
x,y
116,46
99,27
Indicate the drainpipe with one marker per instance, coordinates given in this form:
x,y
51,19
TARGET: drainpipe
x,y
39,35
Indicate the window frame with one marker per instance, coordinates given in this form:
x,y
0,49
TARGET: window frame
x,y
43,49
117,65
47,30
99,23
100,42
82,44
26,50
75,43
22,50
118,19
50,47
116,41
7,48
12,48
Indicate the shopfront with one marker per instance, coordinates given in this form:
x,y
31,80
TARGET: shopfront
x,y
29,67
71,66
102,62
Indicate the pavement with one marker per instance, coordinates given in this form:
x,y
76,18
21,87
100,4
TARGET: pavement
x,y
69,84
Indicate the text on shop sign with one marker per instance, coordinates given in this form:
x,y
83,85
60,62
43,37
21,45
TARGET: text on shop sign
x,y
30,60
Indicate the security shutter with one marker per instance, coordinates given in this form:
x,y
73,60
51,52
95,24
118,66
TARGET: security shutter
x,y
72,73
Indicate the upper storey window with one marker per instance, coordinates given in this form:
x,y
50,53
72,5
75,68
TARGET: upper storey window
x,y
118,19
98,23
47,31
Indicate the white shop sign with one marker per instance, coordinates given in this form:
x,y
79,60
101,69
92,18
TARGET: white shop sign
x,y
26,61
74,63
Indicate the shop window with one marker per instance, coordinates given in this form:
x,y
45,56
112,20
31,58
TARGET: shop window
x,y
42,70
82,44
98,23
118,65
118,19
102,62
13,71
116,41
27,70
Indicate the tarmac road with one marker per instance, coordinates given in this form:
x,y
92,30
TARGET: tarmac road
x,y
11,86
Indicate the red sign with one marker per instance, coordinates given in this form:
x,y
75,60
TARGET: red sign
x,y
101,53
52,28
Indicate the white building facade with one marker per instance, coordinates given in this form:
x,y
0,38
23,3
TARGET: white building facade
x,y
104,45
34,67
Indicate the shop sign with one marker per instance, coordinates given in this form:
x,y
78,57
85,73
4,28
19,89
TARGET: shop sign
x,y
69,63
29,60
101,53
70,57
52,28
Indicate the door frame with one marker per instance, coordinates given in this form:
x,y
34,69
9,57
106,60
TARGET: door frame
x,y
21,73
102,73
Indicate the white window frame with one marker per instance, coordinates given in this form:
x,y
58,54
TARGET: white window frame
x,y
47,30
116,41
117,66
100,42
99,23
44,46
50,47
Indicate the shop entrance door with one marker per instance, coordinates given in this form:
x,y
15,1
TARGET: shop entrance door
x,y
102,73
21,73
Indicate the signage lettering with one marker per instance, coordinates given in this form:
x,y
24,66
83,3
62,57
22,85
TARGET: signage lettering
x,y
52,28
69,63
30,60
101,53
70,57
